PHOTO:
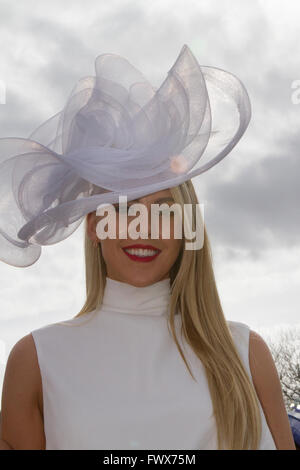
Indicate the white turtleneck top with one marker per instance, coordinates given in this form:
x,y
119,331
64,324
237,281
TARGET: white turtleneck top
x,y
114,378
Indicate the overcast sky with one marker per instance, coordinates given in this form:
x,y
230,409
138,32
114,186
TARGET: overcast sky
x,y
251,198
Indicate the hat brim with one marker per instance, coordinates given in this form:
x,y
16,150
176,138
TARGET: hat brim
x,y
119,136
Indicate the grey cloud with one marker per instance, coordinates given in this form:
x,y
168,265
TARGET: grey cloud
x,y
262,201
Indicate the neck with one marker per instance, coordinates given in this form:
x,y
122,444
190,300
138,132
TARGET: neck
x,y
121,297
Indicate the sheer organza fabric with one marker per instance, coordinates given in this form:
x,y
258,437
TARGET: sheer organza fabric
x,y
116,135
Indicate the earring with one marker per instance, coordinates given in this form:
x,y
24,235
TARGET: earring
x,y
95,244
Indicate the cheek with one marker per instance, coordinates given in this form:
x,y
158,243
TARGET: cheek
x,y
174,224
176,229
109,250
172,248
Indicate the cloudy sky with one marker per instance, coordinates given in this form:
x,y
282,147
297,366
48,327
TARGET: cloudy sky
x,y
251,197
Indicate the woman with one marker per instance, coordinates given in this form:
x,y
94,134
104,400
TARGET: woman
x,y
118,378
150,361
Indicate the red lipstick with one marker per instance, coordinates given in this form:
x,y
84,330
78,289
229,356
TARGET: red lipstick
x,y
143,259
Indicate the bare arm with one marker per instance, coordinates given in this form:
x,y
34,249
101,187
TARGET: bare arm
x,y
21,419
269,391
3,445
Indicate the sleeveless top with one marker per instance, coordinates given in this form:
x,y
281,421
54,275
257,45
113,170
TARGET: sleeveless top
x,y
114,379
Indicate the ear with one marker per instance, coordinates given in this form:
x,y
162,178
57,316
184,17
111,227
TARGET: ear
x,y
91,226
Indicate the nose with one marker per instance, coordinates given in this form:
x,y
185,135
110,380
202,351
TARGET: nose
x,y
144,226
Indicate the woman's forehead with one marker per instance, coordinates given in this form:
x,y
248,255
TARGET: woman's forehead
x,y
165,193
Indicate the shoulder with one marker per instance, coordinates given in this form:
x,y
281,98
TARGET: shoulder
x,y
21,415
262,365
23,354
22,368
240,334
80,320
52,340
268,387
259,354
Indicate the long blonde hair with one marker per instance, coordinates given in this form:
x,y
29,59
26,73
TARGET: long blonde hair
x,y
194,293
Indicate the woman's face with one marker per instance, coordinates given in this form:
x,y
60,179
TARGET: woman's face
x,y
134,267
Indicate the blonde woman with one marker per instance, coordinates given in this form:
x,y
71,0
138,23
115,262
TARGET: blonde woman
x,y
120,375
149,362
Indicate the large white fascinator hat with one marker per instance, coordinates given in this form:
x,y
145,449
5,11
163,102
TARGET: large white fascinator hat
x,y
116,135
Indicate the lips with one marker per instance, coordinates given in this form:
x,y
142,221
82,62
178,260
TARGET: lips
x,y
143,259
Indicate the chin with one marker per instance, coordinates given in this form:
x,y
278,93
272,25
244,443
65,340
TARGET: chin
x,y
140,280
